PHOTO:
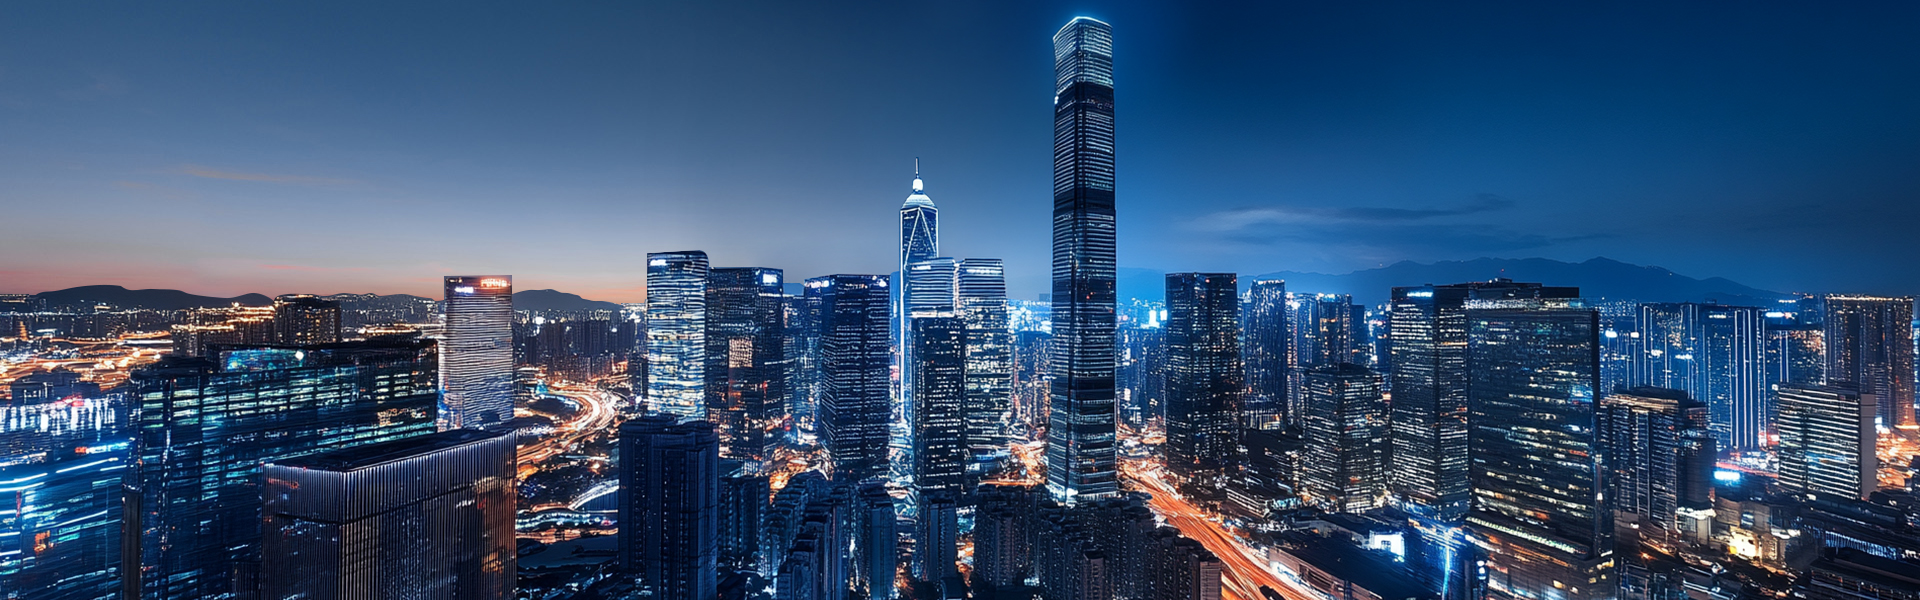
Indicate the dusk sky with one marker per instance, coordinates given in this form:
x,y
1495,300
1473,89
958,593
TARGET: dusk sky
x,y
274,147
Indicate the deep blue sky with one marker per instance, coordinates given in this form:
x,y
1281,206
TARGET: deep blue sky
x,y
277,147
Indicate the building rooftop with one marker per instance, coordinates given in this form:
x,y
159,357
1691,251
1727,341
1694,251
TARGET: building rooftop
x,y
360,457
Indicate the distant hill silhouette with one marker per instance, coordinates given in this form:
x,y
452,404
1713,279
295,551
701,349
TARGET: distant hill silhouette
x,y
1598,278
88,295
557,300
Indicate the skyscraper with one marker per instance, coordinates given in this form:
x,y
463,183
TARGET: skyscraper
x,y
939,416
1346,435
677,333
305,319
1827,441
981,302
919,241
205,425
929,292
1539,503
1203,378
1658,455
427,516
476,352
60,497
1081,430
1266,354
1870,346
1714,353
746,375
877,545
1429,413
853,412
670,505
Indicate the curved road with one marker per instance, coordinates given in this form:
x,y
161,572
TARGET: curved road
x,y
1244,571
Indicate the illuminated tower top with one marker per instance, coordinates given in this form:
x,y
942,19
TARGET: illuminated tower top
x,y
919,223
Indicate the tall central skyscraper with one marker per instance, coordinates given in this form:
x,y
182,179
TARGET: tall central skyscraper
x,y
1203,379
746,359
677,333
1080,432
853,370
476,356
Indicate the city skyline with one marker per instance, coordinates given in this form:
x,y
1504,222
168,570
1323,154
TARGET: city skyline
x,y
1382,153
1504,429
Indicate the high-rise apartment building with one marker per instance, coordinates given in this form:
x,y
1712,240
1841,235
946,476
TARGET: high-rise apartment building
x,y
677,333
1827,441
204,426
1428,326
1081,430
1346,435
305,319
1540,508
1869,341
981,302
670,505
1266,336
853,415
428,516
746,354
1204,382
476,352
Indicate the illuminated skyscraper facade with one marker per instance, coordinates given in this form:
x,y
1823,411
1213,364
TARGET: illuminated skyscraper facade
x,y
853,414
1716,354
1346,435
204,427
1265,324
1203,378
939,418
981,302
476,352
746,359
428,516
1429,375
1869,342
60,498
677,333
1081,429
1659,455
1540,509
1827,441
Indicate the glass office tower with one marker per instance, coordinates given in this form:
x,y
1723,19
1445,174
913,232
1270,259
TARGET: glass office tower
x,y
204,426
1539,504
677,333
853,412
1203,379
746,360
1346,435
1081,428
429,516
1266,355
61,461
981,302
1429,382
476,352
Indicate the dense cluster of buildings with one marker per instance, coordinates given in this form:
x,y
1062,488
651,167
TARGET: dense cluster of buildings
x,y
920,435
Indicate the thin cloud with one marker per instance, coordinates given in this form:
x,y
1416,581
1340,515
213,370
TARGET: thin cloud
x,y
1245,218
210,173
